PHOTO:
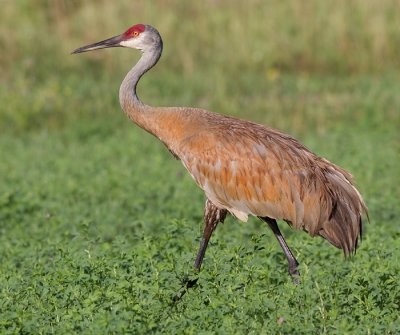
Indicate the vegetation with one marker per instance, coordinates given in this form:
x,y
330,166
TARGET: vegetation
x,y
99,224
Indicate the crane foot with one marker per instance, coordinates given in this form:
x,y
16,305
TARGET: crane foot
x,y
296,279
294,273
187,284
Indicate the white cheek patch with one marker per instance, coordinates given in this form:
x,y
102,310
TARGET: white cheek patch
x,y
134,43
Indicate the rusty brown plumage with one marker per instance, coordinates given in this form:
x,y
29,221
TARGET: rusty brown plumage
x,y
249,169
244,168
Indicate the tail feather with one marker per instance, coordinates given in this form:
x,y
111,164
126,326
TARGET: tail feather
x,y
343,229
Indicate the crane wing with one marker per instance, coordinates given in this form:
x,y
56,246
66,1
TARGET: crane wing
x,y
246,175
249,169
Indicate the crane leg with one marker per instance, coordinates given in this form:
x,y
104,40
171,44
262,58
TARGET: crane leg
x,y
212,216
293,271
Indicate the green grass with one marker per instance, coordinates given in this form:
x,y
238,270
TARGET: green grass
x,y
99,224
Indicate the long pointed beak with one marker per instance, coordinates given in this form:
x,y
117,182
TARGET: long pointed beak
x,y
108,43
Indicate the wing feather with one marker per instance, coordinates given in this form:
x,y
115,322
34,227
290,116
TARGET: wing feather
x,y
249,169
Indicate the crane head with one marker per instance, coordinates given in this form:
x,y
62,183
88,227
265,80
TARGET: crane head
x,y
139,36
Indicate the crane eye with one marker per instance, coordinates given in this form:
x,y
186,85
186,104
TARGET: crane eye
x,y
135,33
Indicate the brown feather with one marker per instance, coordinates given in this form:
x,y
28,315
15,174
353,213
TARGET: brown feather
x,y
249,169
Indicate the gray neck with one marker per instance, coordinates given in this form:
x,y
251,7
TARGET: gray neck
x,y
128,98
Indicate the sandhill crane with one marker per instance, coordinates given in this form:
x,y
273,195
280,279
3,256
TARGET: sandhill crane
x,y
244,168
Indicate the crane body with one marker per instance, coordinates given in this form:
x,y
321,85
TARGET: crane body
x,y
243,167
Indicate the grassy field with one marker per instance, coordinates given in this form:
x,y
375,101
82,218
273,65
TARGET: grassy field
x,y
99,224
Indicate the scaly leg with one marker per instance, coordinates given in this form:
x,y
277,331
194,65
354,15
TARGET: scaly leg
x,y
293,271
212,216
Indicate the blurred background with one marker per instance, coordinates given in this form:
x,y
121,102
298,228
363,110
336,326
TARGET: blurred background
x,y
92,207
251,59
